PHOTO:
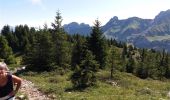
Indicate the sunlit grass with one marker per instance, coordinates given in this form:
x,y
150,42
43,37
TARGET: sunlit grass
x,y
128,87
158,38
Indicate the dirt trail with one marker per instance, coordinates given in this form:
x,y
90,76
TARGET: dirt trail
x,y
28,90
31,92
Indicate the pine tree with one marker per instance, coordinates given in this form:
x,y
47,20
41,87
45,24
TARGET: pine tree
x,y
142,71
57,23
10,36
143,55
130,66
22,35
6,51
161,66
112,58
39,57
85,76
124,52
112,42
97,44
61,47
77,53
31,36
167,66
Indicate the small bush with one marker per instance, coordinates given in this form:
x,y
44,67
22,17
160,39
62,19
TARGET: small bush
x,y
10,60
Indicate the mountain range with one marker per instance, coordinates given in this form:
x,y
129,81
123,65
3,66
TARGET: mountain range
x,y
143,33
75,28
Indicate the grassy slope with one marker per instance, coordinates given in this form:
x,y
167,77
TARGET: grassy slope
x,y
128,87
158,38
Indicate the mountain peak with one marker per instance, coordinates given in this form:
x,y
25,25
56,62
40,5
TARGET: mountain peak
x,y
74,28
162,17
115,18
164,12
149,33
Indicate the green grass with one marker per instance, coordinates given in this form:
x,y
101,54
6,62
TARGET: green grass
x,y
128,87
158,38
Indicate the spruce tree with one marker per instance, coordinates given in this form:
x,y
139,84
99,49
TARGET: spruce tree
x,y
124,52
22,35
167,66
142,71
6,51
143,55
39,57
61,46
85,76
77,52
10,37
113,58
97,44
161,65
130,66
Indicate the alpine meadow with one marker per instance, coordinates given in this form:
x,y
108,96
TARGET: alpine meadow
x,y
124,59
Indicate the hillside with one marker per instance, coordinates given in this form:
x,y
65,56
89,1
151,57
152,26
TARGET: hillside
x,y
158,33
65,66
144,33
124,29
124,86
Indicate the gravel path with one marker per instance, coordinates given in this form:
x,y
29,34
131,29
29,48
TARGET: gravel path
x,y
31,92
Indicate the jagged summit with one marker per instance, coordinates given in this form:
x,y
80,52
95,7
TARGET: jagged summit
x,y
150,33
115,18
162,17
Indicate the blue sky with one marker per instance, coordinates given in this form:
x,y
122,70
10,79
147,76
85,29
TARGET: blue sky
x,y
37,12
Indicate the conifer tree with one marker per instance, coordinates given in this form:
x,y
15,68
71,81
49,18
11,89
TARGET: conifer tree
x,y
6,51
21,33
39,57
130,66
85,76
161,67
61,47
143,55
97,44
10,37
112,60
142,71
124,52
167,66
77,53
